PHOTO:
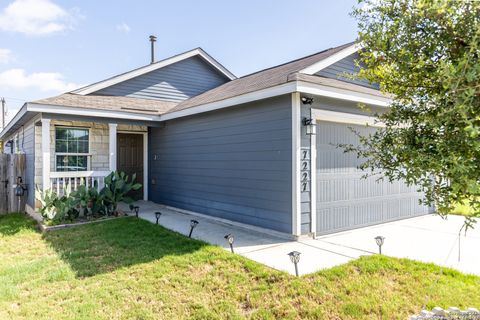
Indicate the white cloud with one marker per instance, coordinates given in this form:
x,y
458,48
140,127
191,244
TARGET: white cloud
x,y
42,81
123,27
35,17
5,55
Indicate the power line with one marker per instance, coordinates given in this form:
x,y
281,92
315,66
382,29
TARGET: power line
x,y
19,99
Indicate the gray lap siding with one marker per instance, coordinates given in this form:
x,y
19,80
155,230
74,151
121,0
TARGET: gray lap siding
x,y
176,82
233,163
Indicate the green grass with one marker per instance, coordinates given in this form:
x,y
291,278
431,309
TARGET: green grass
x,y
131,269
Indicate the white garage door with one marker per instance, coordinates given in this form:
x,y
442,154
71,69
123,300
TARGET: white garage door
x,y
345,200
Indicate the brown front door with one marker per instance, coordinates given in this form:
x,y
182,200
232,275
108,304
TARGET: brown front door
x,y
130,158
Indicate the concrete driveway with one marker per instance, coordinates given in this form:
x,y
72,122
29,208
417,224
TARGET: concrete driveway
x,y
427,238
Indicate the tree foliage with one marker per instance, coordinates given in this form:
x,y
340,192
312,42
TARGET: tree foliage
x,y
425,54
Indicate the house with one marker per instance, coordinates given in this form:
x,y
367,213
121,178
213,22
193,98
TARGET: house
x,y
239,149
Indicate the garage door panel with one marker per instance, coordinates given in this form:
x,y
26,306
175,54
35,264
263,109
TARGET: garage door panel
x,y
335,218
334,160
347,200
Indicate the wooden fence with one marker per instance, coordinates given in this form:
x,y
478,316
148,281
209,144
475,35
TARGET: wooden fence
x,y
12,166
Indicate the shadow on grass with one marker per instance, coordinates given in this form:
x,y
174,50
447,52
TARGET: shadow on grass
x,y
13,223
106,246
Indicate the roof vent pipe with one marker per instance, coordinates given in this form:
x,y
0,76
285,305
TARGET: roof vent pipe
x,y
153,39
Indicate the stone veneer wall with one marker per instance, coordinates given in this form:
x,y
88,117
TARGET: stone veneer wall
x,y
98,144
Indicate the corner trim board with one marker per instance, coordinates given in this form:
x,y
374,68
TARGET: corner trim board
x,y
46,153
296,205
313,181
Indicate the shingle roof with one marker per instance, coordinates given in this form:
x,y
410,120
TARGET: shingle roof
x,y
263,79
115,103
259,80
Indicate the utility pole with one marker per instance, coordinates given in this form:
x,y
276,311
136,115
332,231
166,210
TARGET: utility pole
x,y
3,113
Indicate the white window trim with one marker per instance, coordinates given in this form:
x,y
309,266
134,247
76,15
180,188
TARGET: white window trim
x,y
88,154
296,144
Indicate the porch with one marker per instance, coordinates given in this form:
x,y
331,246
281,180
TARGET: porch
x,y
82,152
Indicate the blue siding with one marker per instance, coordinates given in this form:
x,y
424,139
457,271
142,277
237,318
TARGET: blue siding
x,y
233,163
347,65
176,82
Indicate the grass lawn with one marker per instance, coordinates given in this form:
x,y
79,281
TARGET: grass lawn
x,y
463,209
131,269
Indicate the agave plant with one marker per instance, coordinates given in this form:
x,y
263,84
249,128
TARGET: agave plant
x,y
48,198
117,187
88,199
55,207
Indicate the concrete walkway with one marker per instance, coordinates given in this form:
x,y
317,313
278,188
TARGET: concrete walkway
x,y
428,238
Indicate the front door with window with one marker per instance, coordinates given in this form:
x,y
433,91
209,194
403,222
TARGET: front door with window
x,y
130,158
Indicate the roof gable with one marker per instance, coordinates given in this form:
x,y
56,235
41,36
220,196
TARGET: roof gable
x,y
346,50
176,82
155,66
344,67
261,80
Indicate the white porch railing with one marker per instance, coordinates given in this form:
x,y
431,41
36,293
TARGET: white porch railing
x,y
91,179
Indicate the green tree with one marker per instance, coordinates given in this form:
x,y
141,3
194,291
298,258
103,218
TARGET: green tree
x,y
425,55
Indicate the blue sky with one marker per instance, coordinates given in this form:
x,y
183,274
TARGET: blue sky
x,y
49,46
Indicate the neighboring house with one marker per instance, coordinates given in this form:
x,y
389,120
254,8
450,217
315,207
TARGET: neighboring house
x,y
202,140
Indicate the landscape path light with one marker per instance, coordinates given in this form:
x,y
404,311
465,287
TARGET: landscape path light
x,y
157,216
193,224
136,209
230,239
379,240
295,258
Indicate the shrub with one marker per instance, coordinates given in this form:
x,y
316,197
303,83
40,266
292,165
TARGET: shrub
x,y
117,187
56,208
89,200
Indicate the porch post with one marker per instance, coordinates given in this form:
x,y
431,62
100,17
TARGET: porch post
x,y
112,146
46,153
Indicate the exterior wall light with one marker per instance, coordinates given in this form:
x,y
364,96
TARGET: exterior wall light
x,y
157,216
193,224
230,239
295,258
379,240
307,100
310,126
